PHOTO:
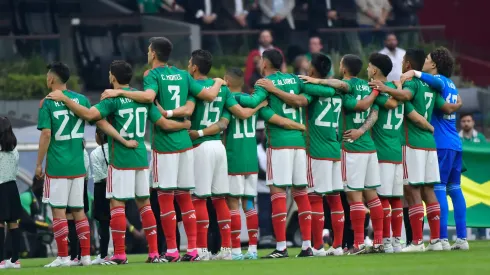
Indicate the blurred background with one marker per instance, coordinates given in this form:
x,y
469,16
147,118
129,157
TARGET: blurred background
x,y
89,34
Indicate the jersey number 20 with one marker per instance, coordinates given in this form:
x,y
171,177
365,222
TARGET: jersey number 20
x,y
140,123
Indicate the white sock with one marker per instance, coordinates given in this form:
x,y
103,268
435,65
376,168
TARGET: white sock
x,y
236,251
172,250
252,248
305,245
281,246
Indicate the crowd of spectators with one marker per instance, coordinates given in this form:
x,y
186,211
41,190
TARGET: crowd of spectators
x,y
282,16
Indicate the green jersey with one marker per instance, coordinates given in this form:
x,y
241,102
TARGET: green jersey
x,y
207,113
386,130
278,137
65,152
172,87
241,145
323,113
423,102
352,119
128,117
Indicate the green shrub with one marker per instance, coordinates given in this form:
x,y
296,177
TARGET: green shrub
x,y
26,79
19,86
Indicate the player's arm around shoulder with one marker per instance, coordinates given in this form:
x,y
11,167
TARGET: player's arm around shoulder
x,y
291,99
212,129
400,93
333,83
446,107
166,124
241,112
366,103
89,114
150,85
109,130
267,114
418,119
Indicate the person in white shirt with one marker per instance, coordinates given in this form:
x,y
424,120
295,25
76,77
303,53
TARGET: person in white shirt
x,y
396,55
10,206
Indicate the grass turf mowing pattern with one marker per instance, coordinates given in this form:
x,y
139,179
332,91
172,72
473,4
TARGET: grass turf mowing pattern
x,y
475,261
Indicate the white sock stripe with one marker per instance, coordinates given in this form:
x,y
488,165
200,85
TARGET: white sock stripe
x,y
280,214
203,221
235,212
304,213
61,232
337,212
388,209
235,231
357,207
188,212
166,214
148,228
253,211
317,213
397,209
277,196
433,207
118,231
222,221
414,213
252,230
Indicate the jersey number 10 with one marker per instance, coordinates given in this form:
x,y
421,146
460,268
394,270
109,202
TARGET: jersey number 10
x,y
238,133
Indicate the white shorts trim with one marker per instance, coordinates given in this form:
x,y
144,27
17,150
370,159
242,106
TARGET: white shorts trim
x,y
324,176
360,171
173,171
243,185
125,184
286,167
63,192
422,166
211,169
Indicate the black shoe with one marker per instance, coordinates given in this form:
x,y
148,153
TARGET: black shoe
x,y
153,260
276,254
169,259
305,253
190,258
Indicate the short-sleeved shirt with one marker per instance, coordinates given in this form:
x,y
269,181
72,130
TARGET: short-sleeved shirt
x,y
149,6
323,113
386,130
172,86
207,113
65,158
359,89
423,101
9,165
100,158
128,117
241,144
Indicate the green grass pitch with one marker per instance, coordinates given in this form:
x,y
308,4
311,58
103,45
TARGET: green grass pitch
x,y
475,261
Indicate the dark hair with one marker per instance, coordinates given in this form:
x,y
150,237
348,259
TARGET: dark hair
x,y
61,70
321,63
388,34
234,72
162,48
122,71
465,115
416,58
265,30
382,61
444,61
275,58
8,141
352,63
203,60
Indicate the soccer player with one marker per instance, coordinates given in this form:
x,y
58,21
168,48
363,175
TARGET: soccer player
x,y
421,160
210,163
437,70
242,161
323,149
61,138
128,168
173,154
386,137
360,169
286,153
